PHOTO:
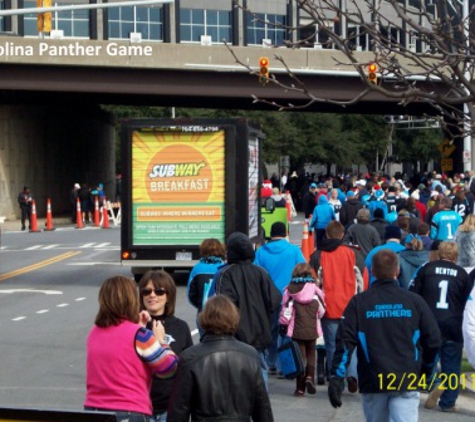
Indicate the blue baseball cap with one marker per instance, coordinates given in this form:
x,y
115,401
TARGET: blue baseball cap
x,y
313,186
350,194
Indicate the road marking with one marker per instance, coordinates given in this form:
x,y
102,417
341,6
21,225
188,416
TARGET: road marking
x,y
39,265
62,305
79,299
42,311
19,318
50,247
102,245
32,248
194,332
88,264
88,245
46,292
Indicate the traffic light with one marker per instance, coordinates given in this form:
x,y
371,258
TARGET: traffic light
x,y
263,70
44,23
372,76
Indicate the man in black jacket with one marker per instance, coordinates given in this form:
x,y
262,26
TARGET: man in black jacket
x,y
445,287
252,290
398,340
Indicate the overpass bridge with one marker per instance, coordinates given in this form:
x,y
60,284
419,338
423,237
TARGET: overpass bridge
x,y
54,134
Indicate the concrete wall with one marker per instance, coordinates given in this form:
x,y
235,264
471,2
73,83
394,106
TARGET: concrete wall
x,y
50,149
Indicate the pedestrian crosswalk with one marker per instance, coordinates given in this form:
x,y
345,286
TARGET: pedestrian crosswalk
x,y
89,245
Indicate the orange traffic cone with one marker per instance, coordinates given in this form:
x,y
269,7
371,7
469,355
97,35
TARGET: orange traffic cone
x,y
49,216
288,206
33,219
105,223
79,222
311,239
97,218
305,249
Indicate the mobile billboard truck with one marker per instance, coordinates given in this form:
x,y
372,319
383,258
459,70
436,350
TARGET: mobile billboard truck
x,y
186,180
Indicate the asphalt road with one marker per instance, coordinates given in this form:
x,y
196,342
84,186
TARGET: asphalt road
x,y
48,300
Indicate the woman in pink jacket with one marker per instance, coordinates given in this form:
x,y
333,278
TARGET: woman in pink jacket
x,y
122,355
302,308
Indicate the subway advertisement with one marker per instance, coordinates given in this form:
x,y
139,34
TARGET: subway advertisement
x,y
178,188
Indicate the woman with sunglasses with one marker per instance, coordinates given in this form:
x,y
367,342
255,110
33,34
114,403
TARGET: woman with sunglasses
x,y
122,355
158,297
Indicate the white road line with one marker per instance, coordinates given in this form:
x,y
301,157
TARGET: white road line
x,y
50,247
194,332
88,245
88,264
43,311
102,245
19,318
32,248
79,299
62,305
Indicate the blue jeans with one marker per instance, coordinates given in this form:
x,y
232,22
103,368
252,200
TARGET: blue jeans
x,y
271,358
391,407
161,417
265,375
330,327
450,363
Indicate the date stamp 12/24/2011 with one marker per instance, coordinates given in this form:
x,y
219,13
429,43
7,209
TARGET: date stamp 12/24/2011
x,y
414,382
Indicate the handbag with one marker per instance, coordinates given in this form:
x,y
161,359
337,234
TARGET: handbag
x,y
290,358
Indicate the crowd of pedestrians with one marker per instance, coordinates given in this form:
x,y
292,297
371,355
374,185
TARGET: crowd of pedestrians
x,y
381,301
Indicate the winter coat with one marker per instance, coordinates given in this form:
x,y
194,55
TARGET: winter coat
x,y
409,262
322,214
279,257
219,379
250,288
349,210
468,328
364,235
465,241
341,273
370,322
306,309
380,225
200,280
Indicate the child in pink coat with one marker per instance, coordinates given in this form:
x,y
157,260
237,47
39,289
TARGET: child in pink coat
x,y
303,306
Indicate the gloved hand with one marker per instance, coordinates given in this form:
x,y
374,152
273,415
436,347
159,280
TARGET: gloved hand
x,y
282,330
335,388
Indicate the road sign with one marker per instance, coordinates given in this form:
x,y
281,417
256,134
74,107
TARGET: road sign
x,y
446,148
447,164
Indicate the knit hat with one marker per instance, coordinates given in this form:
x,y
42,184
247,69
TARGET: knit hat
x,y
313,185
278,230
350,194
378,213
392,232
421,186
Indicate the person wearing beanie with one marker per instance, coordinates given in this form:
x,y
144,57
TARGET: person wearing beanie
x,y
278,257
252,290
302,308
363,234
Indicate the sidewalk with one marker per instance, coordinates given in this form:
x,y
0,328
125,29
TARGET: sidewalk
x,y
15,225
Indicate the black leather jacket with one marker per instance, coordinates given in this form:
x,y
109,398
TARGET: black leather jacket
x,y
219,379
